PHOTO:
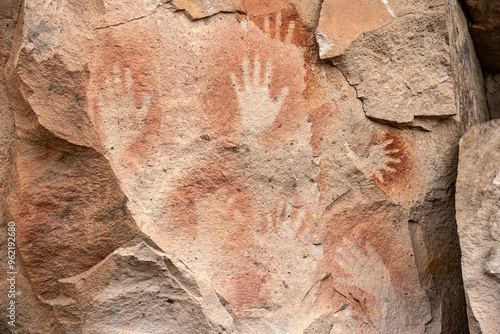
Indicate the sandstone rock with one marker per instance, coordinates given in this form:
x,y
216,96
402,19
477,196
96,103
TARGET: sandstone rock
x,y
485,28
138,288
412,81
28,306
492,82
211,166
467,71
478,219
341,23
199,9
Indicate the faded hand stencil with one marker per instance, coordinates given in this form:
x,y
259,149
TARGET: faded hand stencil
x,y
367,272
285,240
365,268
388,162
122,120
219,218
258,108
379,160
283,223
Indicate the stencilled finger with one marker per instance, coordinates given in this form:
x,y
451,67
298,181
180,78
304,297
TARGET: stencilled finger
x,y
282,97
256,71
117,82
288,212
220,195
300,216
230,202
394,160
279,213
289,34
396,150
371,251
343,262
128,81
343,280
267,76
387,143
246,73
266,25
236,85
388,168
145,106
379,176
278,26
352,250
108,89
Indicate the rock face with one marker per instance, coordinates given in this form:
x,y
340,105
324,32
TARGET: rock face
x,y
485,28
478,220
402,57
492,82
200,167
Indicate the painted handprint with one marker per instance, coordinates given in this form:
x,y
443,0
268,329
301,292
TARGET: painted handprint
x,y
122,119
381,160
258,108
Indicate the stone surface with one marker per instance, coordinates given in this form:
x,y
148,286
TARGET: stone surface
x,y
485,28
196,167
492,83
341,22
467,71
198,9
478,219
138,288
398,57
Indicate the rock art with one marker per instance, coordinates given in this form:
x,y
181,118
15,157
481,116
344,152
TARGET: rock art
x,y
200,167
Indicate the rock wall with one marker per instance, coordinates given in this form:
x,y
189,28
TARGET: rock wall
x,y
484,23
236,166
478,219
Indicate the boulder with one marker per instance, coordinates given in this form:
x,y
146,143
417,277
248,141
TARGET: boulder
x,y
478,220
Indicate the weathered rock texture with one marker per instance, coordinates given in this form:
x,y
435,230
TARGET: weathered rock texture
x,y
492,82
197,167
484,16
478,220
485,29
404,58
